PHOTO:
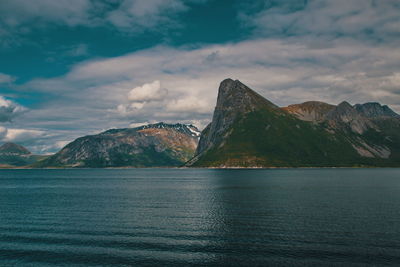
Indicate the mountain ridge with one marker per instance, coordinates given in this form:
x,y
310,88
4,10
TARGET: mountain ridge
x,y
311,134
153,145
246,130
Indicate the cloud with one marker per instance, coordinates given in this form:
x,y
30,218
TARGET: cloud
x,y
135,14
70,12
9,110
22,135
190,104
5,78
148,92
359,19
19,17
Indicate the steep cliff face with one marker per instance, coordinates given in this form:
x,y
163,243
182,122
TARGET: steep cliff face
x,y
234,101
250,131
154,145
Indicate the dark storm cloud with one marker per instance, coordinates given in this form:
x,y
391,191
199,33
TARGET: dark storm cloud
x,y
9,110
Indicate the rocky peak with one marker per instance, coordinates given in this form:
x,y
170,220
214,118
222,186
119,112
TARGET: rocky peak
x,y
183,128
234,100
13,149
235,95
375,110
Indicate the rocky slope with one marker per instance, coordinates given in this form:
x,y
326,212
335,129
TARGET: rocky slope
x,y
13,155
249,131
314,111
155,145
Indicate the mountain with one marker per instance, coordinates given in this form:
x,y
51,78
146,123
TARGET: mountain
x,y
375,110
154,145
13,155
13,149
249,131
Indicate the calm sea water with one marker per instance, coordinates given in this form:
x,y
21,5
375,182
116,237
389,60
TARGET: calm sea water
x,y
200,217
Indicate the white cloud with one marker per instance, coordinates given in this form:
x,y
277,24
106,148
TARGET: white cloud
x,y
22,135
148,92
189,104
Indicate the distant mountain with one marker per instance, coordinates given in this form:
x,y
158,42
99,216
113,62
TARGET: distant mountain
x,y
13,149
13,155
154,145
249,131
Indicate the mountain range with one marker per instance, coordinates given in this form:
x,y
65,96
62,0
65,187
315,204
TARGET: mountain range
x,y
246,130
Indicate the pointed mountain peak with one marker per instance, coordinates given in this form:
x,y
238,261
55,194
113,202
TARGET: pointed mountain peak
x,y
14,149
343,111
230,86
234,94
235,100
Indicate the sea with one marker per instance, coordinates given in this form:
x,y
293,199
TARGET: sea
x,y
200,217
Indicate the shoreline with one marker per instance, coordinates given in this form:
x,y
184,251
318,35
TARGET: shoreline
x,y
203,168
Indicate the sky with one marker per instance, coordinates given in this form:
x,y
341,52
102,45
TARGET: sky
x,y
70,68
